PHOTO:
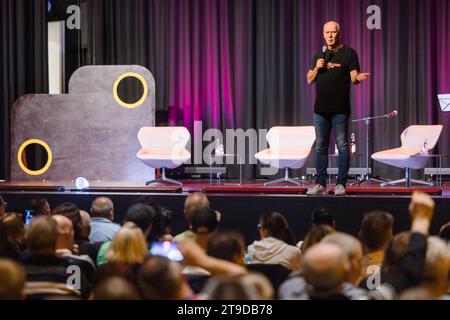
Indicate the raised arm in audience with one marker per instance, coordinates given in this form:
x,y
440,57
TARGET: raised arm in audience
x,y
195,256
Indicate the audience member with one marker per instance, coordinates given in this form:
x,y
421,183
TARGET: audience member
x,y
205,223
375,233
44,270
230,288
277,244
142,216
115,288
326,268
128,246
437,268
12,235
322,216
71,211
40,207
193,202
444,232
103,228
315,235
12,280
161,279
2,206
227,245
162,222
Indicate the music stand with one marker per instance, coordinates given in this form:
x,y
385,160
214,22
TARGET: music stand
x,y
367,177
444,101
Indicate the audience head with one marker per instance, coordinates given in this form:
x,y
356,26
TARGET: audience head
x,y
204,221
230,288
161,279
143,216
2,206
193,202
127,246
162,220
12,280
323,215
12,235
352,248
315,235
41,235
40,206
85,224
395,252
227,245
65,238
115,288
376,230
274,224
417,293
437,266
260,283
325,267
71,211
444,233
102,207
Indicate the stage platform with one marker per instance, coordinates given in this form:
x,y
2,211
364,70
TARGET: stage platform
x,y
240,204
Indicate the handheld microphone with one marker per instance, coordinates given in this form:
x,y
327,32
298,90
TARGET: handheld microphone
x,y
324,52
391,114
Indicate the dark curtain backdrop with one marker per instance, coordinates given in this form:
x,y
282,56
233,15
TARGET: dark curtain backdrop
x,y
23,61
242,63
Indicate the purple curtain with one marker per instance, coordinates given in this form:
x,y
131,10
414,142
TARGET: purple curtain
x,y
242,63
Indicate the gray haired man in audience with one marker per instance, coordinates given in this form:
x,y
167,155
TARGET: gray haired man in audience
x,y
103,228
326,268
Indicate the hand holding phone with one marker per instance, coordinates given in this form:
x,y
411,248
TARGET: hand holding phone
x,y
28,215
167,249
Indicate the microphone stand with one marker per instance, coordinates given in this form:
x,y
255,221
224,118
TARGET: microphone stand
x,y
367,177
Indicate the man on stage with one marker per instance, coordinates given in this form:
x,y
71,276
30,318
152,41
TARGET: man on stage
x,y
333,68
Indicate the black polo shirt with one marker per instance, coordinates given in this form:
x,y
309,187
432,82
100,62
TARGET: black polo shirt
x,y
333,81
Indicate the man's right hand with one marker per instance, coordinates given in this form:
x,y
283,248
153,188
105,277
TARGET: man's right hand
x,y
320,64
421,210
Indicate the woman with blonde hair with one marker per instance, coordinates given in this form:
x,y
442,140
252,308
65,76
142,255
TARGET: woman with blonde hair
x,y
127,246
124,256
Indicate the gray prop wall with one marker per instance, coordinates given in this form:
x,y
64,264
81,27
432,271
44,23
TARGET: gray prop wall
x,y
88,132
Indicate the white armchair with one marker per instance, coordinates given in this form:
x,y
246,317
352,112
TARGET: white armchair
x,y
409,155
163,147
289,148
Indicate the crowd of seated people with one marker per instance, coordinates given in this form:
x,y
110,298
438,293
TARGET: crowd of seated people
x,y
69,253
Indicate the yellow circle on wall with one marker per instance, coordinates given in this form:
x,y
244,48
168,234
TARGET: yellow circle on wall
x,y
144,94
49,160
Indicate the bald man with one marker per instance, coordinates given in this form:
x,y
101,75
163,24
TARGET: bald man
x,y
353,249
64,248
334,68
65,240
325,267
295,287
193,202
103,228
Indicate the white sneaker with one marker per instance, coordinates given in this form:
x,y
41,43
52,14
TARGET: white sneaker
x,y
317,190
339,190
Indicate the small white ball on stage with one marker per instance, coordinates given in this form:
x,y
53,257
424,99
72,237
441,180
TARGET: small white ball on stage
x,y
81,183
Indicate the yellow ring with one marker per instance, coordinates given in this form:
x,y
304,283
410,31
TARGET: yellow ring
x,y
144,85
49,160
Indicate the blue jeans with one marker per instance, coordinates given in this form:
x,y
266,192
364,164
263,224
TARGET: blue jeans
x,y
323,125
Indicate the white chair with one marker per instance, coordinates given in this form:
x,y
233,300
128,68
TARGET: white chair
x,y
410,155
289,147
163,147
